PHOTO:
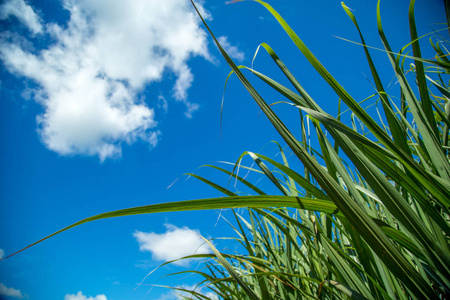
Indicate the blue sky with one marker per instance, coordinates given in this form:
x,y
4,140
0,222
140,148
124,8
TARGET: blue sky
x,y
107,103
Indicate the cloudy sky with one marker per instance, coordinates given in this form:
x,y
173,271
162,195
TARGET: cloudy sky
x,y
107,103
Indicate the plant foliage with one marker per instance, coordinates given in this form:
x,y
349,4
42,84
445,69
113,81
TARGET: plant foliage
x,y
370,224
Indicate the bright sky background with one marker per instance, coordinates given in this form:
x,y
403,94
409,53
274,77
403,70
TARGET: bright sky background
x,y
106,103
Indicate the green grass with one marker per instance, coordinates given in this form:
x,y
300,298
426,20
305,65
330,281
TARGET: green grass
x,y
365,218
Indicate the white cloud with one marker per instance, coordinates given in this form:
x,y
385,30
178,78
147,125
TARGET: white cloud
x,y
80,296
177,294
191,107
91,77
23,12
9,291
232,51
162,103
174,243
2,253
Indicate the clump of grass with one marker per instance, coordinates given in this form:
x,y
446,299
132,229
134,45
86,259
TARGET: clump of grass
x,y
370,224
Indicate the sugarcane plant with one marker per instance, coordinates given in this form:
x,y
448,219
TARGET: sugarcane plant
x,y
388,235
367,217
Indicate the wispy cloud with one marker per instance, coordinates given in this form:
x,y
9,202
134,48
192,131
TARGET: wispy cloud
x,y
2,253
10,292
80,296
233,51
20,10
174,243
91,77
177,294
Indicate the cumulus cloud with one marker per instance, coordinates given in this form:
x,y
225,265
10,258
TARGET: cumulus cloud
x,y
23,12
233,51
80,296
92,76
174,243
2,253
11,292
